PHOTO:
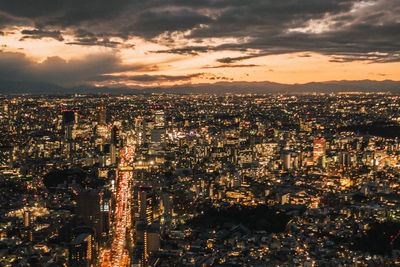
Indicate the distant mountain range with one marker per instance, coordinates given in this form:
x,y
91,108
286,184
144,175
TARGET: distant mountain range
x,y
15,87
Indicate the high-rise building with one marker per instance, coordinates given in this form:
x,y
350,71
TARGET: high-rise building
x,y
102,115
157,135
159,117
166,208
105,209
115,138
151,241
145,204
147,241
114,154
68,119
68,116
80,251
89,207
27,218
319,148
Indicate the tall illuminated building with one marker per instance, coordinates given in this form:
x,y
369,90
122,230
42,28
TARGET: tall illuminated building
x,y
102,115
159,117
145,204
114,154
105,208
319,149
115,138
80,251
27,218
166,208
151,243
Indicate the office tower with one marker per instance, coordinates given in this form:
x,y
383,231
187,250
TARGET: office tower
x,y
159,117
68,119
151,241
139,252
102,115
157,135
105,209
145,204
147,127
318,149
147,241
166,208
115,138
140,227
80,251
27,218
89,204
113,154
68,116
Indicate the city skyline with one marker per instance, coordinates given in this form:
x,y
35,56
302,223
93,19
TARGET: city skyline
x,y
145,180
131,43
199,133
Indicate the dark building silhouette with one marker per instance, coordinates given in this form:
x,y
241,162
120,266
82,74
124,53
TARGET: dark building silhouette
x,y
89,208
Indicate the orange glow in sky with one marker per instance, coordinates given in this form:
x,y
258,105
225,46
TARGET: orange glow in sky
x,y
286,68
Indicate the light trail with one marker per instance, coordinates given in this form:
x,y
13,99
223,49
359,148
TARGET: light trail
x,y
119,255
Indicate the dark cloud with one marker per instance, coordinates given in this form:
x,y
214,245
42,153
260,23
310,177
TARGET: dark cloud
x,y
258,18
64,13
232,66
87,38
149,78
4,20
189,50
9,20
162,78
150,23
94,41
346,30
228,60
39,34
358,35
81,33
17,67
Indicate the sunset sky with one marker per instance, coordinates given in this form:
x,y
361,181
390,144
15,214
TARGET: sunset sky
x,y
168,42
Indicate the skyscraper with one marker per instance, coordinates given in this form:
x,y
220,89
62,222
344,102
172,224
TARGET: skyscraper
x,y
89,207
145,205
159,117
102,115
115,139
68,119
27,218
80,251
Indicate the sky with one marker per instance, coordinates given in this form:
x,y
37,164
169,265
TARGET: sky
x,y
170,42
